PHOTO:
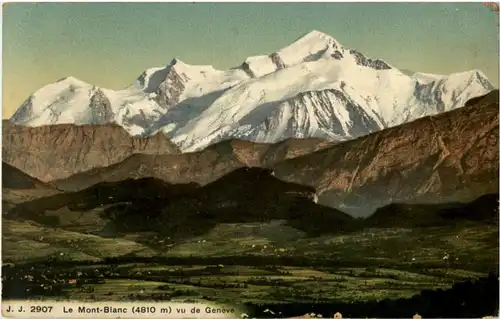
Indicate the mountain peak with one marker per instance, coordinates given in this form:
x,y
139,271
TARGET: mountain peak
x,y
472,76
312,46
174,61
314,36
177,62
71,80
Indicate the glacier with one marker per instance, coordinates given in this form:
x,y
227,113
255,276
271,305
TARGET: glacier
x,y
314,87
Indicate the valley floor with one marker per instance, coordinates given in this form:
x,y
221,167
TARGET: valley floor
x,y
253,264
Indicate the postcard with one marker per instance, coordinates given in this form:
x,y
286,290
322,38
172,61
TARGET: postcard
x,y
250,160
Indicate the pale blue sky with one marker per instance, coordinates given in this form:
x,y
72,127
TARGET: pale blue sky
x,y
110,44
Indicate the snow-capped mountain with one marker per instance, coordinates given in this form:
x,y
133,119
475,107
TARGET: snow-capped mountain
x,y
312,88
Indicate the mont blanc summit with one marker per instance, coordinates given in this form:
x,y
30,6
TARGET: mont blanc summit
x,y
314,87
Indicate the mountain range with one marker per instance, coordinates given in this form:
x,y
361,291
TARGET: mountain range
x,y
452,156
298,176
312,88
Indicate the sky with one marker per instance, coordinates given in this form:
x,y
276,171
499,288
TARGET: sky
x,y
110,44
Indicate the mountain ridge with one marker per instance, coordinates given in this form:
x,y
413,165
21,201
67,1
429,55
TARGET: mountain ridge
x,y
310,88
201,167
56,151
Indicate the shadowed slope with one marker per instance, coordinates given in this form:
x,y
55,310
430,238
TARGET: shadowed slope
x,y
482,209
14,178
184,210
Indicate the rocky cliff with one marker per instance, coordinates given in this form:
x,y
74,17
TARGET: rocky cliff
x,y
58,151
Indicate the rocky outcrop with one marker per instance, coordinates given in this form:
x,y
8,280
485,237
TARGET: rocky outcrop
x,y
337,55
276,59
100,105
448,157
200,167
25,111
170,90
361,122
361,59
246,67
58,151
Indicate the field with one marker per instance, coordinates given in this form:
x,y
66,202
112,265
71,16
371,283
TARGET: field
x,y
238,263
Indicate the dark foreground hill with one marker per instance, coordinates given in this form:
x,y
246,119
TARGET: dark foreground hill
x,y
254,195
482,209
18,186
244,195
142,199
14,178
